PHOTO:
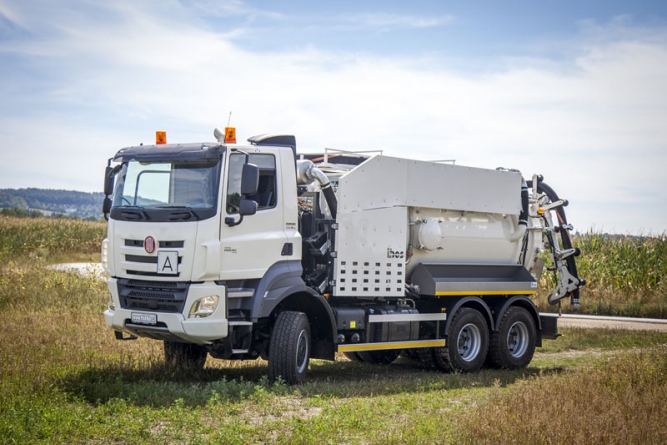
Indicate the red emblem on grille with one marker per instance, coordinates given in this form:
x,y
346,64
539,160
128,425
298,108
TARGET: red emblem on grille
x,y
149,244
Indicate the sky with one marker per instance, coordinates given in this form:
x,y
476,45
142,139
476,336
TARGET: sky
x,y
573,90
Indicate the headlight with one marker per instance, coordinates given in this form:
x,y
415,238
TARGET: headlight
x,y
111,305
204,307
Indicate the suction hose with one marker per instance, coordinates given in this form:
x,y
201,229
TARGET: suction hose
x,y
564,233
306,172
523,216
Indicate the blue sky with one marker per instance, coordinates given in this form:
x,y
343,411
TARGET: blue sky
x,y
575,91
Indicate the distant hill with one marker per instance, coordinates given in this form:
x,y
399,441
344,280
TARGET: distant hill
x,y
71,203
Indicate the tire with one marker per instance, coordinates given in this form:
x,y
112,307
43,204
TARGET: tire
x,y
289,350
425,357
441,359
513,345
184,356
383,357
467,343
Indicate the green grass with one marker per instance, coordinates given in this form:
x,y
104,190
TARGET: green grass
x,y
65,379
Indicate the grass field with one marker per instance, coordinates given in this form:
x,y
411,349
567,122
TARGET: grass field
x,y
65,379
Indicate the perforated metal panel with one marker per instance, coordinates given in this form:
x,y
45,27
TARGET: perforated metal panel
x,y
371,248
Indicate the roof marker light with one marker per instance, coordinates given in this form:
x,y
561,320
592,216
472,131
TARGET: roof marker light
x,y
160,137
230,135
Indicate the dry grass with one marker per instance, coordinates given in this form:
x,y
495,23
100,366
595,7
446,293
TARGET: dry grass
x,y
65,379
620,400
45,237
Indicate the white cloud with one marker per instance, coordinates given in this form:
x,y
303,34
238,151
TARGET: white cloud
x,y
387,21
592,125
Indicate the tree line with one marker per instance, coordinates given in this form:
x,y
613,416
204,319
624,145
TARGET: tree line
x,y
34,202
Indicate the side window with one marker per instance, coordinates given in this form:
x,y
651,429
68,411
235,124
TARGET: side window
x,y
266,192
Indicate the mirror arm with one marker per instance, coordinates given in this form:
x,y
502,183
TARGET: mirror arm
x,y
231,222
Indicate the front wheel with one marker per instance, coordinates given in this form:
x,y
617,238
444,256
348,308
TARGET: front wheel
x,y
289,350
513,346
467,343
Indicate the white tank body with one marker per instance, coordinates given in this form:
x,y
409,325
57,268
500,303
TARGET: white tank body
x,y
394,214
448,236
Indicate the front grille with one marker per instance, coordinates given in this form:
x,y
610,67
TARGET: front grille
x,y
161,244
142,259
152,296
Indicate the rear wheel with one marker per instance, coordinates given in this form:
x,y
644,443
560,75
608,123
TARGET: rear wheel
x,y
425,357
289,350
467,343
184,355
513,345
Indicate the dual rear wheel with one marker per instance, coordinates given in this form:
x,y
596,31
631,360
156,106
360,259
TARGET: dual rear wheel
x,y
513,345
470,344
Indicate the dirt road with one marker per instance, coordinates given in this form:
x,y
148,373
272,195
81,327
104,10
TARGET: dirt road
x,y
595,321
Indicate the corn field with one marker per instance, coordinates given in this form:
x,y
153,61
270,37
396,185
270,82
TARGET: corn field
x,y
46,237
625,275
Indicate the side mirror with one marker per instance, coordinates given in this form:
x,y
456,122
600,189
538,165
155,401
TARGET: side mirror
x,y
106,207
247,207
109,176
108,181
249,179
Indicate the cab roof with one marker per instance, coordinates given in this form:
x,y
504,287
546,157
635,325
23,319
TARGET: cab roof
x,y
171,152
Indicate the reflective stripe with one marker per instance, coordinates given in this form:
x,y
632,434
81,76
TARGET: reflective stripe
x,y
392,345
485,292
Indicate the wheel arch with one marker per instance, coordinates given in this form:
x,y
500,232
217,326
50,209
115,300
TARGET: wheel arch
x,y
523,302
472,302
317,309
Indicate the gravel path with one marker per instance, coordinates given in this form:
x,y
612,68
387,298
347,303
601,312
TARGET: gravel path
x,y
594,321
84,269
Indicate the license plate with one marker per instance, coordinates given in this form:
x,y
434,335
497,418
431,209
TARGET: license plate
x,y
167,263
138,318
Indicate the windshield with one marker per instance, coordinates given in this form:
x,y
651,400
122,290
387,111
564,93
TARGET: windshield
x,y
156,187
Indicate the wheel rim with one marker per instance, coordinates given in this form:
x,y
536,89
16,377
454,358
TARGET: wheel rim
x,y
302,352
517,339
469,342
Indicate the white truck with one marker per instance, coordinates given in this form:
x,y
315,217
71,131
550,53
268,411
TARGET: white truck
x,y
246,251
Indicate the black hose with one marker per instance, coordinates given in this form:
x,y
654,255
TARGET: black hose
x,y
564,233
523,216
330,197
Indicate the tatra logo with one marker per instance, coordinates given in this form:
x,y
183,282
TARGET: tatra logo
x,y
394,253
149,244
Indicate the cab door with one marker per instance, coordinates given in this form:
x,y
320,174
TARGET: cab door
x,y
259,241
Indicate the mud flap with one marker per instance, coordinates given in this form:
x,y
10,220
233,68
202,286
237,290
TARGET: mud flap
x,y
549,326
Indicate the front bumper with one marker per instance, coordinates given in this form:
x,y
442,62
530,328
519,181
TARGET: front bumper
x,y
173,326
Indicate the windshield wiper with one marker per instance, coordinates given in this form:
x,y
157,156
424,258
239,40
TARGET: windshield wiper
x,y
134,215
186,214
